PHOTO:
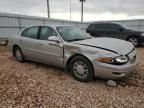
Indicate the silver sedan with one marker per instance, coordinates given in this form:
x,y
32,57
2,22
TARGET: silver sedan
x,y
76,51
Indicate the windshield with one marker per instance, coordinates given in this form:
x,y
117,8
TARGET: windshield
x,y
70,34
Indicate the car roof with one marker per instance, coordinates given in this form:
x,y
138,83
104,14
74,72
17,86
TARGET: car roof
x,y
104,23
54,26
50,25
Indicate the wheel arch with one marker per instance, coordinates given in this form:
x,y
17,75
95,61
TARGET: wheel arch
x,y
67,65
133,35
15,46
137,37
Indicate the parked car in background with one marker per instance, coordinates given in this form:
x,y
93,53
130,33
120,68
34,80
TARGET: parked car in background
x,y
76,51
116,31
3,41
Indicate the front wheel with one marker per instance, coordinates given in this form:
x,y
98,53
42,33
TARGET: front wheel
x,y
134,41
81,69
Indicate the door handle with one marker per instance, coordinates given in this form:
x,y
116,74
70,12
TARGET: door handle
x,y
51,44
58,45
54,44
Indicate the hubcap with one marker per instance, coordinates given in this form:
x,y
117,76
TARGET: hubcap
x,y
133,41
80,69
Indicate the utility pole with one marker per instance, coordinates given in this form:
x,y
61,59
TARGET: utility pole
x,y
82,1
70,10
48,9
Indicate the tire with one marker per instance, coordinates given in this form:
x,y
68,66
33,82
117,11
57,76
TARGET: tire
x,y
134,41
18,55
81,69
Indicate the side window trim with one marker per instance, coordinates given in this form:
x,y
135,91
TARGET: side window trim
x,y
39,31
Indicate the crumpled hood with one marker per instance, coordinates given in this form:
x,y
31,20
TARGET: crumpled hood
x,y
111,44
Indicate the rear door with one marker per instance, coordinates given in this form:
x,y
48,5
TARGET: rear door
x,y
29,42
50,52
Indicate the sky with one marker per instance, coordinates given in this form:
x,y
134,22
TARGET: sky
x,y
94,10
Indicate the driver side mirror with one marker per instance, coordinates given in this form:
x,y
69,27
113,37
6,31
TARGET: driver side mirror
x,y
53,39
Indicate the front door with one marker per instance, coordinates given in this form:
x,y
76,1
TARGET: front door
x,y
50,52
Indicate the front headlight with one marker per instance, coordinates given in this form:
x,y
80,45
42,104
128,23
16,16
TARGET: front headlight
x,y
116,60
142,34
120,60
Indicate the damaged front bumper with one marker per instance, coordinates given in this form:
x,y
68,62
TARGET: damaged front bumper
x,y
110,71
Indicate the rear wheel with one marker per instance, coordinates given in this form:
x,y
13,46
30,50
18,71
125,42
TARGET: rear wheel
x,y
81,69
134,41
18,54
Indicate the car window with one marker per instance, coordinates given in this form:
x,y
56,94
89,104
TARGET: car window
x,y
70,33
32,32
91,27
102,26
24,33
46,32
115,27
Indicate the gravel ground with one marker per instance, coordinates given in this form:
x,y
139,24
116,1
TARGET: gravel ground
x,y
36,85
